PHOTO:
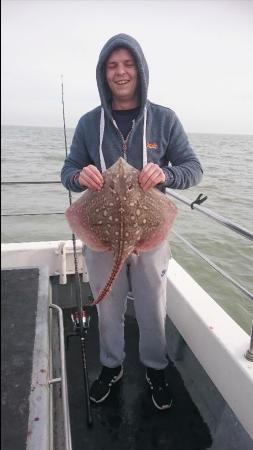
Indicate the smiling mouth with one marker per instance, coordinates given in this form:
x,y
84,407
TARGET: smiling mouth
x,y
121,82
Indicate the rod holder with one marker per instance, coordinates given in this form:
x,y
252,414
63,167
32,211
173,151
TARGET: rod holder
x,y
63,263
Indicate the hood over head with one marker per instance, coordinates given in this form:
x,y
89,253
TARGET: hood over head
x,y
128,42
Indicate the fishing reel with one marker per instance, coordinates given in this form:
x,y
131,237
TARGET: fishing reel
x,y
81,323
80,320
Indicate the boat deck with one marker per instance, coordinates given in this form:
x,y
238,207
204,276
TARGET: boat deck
x,y
126,420
19,296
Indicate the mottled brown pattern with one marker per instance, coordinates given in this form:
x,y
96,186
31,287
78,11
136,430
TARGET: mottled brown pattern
x,y
122,217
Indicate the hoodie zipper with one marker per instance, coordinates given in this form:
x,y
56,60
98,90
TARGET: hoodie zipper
x,y
124,141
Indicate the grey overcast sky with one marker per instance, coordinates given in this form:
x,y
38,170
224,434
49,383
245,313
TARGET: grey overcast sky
x,y
200,56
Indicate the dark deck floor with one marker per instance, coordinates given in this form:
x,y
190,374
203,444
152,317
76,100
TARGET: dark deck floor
x,y
19,296
127,419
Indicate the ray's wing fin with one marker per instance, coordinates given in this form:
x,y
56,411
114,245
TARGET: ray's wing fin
x,y
84,221
157,223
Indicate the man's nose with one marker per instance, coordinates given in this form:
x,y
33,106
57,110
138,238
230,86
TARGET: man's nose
x,y
121,69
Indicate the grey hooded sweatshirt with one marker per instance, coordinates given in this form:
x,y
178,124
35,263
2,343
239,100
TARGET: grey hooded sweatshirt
x,y
157,135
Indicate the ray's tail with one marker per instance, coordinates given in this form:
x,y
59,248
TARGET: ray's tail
x,y
117,265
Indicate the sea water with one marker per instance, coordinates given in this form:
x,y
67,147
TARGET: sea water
x,y
37,154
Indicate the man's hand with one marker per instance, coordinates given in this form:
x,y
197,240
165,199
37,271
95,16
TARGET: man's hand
x,y
91,178
151,175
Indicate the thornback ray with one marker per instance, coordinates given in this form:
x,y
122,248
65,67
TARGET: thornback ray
x,y
121,217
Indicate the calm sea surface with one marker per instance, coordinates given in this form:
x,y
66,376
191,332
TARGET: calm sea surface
x,y
33,154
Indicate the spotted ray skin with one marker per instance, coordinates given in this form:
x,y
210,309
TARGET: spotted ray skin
x,y
121,217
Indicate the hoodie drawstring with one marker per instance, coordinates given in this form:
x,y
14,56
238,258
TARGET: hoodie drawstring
x,y
145,156
101,135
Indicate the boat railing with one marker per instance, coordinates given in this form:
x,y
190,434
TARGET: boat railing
x,y
222,221
212,214
62,379
226,223
192,204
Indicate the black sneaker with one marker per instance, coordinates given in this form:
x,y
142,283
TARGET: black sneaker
x,y
160,393
101,387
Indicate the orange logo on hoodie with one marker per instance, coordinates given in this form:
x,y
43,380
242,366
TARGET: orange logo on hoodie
x,y
152,145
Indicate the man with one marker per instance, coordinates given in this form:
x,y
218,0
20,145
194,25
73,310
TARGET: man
x,y
151,138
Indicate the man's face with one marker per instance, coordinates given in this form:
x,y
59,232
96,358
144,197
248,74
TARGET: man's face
x,y
122,75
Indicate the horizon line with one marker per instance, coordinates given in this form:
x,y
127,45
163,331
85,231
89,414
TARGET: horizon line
x,y
73,128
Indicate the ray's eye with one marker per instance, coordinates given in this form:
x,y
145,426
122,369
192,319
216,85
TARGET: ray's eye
x,y
130,187
112,185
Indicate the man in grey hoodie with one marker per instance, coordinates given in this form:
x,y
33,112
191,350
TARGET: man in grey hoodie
x,y
151,138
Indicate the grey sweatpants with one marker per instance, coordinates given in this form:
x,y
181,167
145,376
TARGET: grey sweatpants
x,y
148,282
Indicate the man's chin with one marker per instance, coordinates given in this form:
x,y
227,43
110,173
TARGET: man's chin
x,y
124,95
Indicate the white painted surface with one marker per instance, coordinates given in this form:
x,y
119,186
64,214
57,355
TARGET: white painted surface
x,y
41,254
216,340
39,430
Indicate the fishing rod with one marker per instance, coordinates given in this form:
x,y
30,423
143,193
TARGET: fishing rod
x,y
80,318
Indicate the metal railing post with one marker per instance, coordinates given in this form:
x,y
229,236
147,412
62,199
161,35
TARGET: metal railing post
x,y
63,379
249,353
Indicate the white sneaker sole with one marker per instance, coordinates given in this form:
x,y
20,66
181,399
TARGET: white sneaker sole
x,y
161,408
